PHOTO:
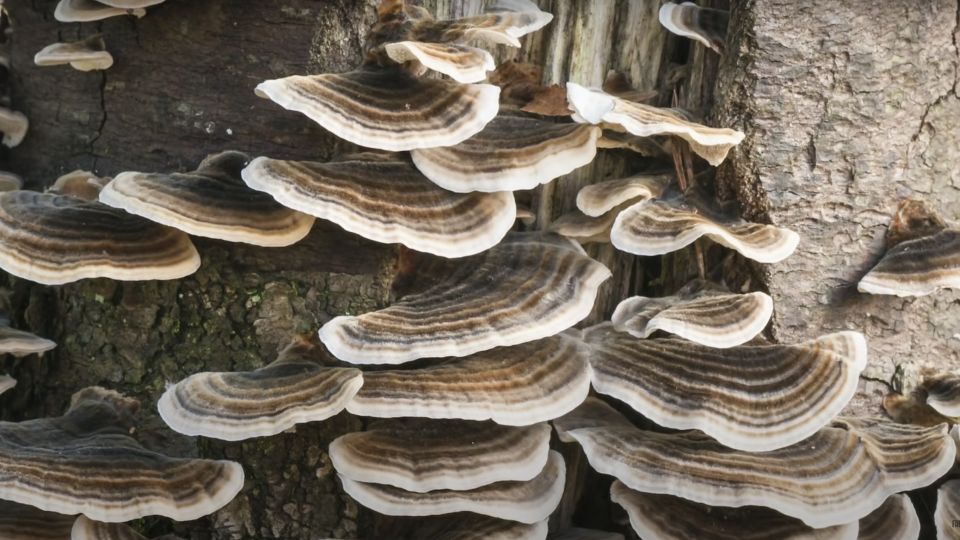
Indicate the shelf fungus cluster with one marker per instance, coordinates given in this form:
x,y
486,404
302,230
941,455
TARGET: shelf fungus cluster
x,y
837,478
86,462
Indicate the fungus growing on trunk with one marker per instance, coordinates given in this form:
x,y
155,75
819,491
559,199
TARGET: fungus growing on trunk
x,y
97,10
79,184
14,126
706,25
599,199
87,55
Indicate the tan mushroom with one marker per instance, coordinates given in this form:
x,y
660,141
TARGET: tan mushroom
x,y
87,55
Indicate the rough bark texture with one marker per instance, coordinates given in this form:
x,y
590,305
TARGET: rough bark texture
x,y
846,113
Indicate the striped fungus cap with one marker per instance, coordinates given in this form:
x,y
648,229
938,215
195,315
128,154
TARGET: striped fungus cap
x,y
701,311
86,462
706,25
753,398
530,501
212,201
97,10
383,197
54,239
839,475
528,287
299,386
595,106
425,455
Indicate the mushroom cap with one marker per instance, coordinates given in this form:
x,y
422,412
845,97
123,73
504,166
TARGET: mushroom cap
x,y
85,528
592,413
526,288
20,342
839,475
943,393
948,510
526,502
701,312
583,228
79,184
208,202
23,522
665,517
52,239
6,383
10,181
86,462
657,227
14,126
706,25
595,106
598,199
131,4
461,63
750,398
90,10
504,23
294,389
515,386
466,526
917,267
895,519
511,153
89,54
388,109
385,199
425,455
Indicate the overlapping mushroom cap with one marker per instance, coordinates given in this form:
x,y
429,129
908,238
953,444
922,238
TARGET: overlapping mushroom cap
x,y
86,462
53,239
527,287
923,255
10,181
706,25
79,184
943,393
384,198
701,311
752,398
664,517
512,152
97,10
387,108
598,199
295,388
461,63
20,342
596,106
515,386
656,227
948,511
467,526
87,55
211,201
85,528
24,522
14,126
584,229
838,475
529,502
425,455
895,519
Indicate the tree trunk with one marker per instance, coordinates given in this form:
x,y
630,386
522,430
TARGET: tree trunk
x,y
848,106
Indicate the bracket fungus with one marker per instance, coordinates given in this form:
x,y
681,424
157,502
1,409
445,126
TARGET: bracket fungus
x,y
87,55
24,522
584,229
20,342
598,107
466,526
97,10
664,517
53,239
387,108
297,387
14,126
701,311
895,519
527,287
384,198
923,255
529,502
660,226
515,386
943,393
599,199
948,511
10,181
706,25
425,455
511,153
461,63
79,184
839,475
751,398
86,462
85,528
212,201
